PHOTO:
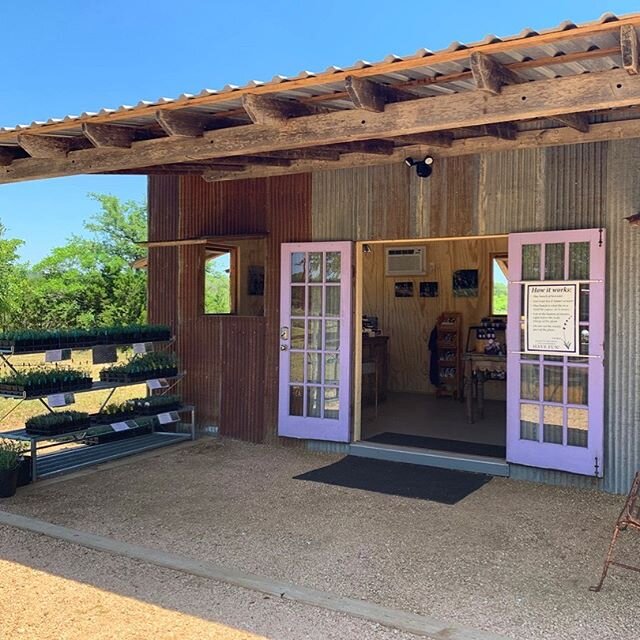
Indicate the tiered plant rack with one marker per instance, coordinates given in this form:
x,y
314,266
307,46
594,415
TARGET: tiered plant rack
x,y
69,460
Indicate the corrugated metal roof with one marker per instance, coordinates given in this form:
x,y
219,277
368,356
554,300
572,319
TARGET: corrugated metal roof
x,y
536,54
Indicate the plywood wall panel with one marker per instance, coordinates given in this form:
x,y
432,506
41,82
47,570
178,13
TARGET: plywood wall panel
x,y
408,321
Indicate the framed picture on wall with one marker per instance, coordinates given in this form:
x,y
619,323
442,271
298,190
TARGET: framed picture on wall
x,y
404,289
428,289
465,283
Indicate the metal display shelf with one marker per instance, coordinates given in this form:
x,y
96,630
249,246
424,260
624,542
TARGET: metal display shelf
x,y
97,385
9,351
85,455
64,462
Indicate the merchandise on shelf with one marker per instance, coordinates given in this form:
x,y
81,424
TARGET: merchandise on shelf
x,y
50,424
41,381
142,367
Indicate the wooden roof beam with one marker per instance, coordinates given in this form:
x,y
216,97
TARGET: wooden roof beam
x,y
7,156
577,121
109,135
501,130
45,146
533,100
265,160
189,124
306,154
491,75
439,139
268,110
373,147
373,96
629,49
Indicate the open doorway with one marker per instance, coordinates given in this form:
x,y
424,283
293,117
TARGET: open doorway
x,y
433,354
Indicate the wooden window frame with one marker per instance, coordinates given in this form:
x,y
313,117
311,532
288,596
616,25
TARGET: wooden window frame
x,y
492,258
221,249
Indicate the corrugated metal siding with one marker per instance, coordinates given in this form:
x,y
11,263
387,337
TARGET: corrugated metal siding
x,y
622,450
391,202
572,187
569,187
232,362
162,285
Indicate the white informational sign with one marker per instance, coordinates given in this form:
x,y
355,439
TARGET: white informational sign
x,y
120,426
160,383
551,318
56,355
141,347
168,418
60,399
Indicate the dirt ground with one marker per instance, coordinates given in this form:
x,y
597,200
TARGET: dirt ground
x,y
513,558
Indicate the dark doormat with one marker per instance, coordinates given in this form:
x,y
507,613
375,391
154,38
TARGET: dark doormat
x,y
440,444
399,479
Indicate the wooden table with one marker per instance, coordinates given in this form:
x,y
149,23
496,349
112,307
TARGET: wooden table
x,y
474,379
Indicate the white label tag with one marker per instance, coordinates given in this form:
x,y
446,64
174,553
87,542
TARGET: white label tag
x,y
60,399
168,418
120,426
140,347
56,355
160,383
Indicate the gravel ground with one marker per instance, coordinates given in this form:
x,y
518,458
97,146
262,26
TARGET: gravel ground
x,y
52,590
514,558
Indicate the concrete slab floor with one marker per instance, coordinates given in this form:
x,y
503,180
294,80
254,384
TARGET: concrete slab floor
x,y
513,558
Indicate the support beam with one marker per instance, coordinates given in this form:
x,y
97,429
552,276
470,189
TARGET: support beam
x,y
577,121
306,154
629,49
501,130
268,110
7,156
265,160
491,75
540,99
45,146
182,169
190,124
213,174
372,96
374,147
109,135
441,139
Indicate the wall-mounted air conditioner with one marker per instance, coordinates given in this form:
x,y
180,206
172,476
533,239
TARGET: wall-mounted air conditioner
x,y
405,261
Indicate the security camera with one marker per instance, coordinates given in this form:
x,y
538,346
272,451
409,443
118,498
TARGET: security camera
x,y
423,167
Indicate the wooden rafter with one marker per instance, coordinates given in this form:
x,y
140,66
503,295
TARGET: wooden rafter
x,y
109,135
268,110
45,146
490,75
373,96
189,124
307,154
7,156
374,147
577,121
532,100
629,49
440,139
501,130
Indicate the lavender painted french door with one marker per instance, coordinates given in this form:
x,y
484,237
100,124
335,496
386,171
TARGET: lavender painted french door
x,y
554,401
315,341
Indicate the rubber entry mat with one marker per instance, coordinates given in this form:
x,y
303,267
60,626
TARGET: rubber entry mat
x,y
398,479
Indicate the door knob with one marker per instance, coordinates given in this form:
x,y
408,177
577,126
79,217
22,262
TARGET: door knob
x,y
283,347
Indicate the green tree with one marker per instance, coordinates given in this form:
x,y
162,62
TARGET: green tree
x,y
90,281
13,276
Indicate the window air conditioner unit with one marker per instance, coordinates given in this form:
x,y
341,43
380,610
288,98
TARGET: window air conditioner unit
x,y
405,261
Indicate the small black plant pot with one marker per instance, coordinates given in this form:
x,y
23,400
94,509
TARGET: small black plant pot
x,y
8,482
24,471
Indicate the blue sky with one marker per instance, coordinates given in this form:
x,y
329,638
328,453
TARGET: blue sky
x,y
70,56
